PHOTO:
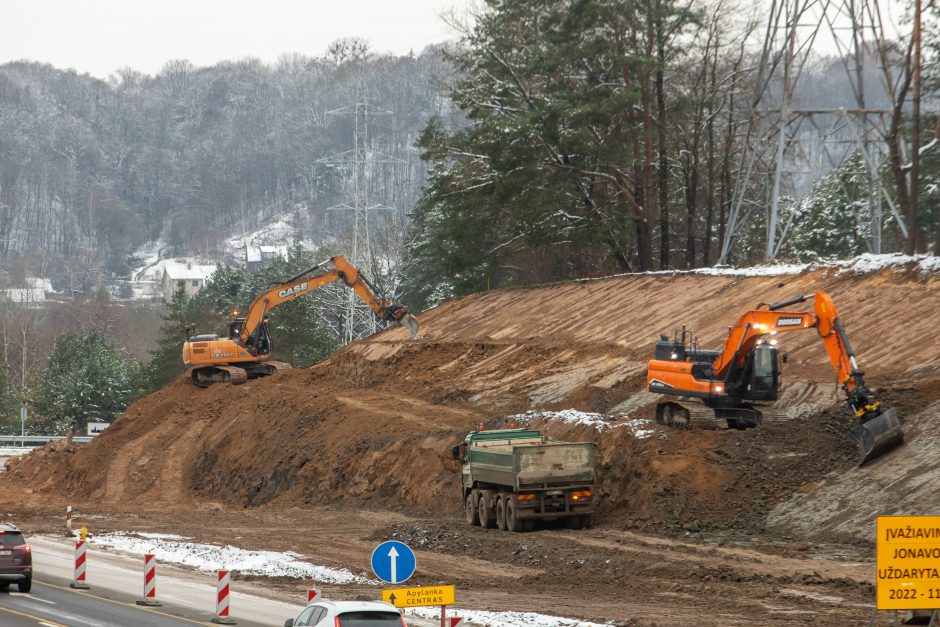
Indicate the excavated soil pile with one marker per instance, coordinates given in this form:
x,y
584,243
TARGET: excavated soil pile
x,y
373,425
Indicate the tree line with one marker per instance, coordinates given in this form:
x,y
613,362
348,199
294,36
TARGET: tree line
x,y
92,371
613,136
91,169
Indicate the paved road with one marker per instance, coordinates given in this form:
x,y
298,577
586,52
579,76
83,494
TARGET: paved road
x,y
116,583
52,605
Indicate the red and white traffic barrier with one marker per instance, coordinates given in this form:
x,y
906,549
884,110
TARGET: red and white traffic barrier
x,y
150,582
223,585
78,581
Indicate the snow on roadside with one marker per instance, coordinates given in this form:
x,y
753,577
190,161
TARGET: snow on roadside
x,y
210,557
504,619
161,536
599,422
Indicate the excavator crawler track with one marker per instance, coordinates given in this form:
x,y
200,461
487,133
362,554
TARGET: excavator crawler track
x,y
204,377
684,414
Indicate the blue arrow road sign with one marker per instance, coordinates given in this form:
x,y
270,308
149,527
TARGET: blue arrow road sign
x,y
393,562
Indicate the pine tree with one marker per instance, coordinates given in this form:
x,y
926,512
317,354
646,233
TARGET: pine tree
x,y
85,380
166,361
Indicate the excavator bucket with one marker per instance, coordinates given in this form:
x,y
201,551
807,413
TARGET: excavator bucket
x,y
411,323
877,435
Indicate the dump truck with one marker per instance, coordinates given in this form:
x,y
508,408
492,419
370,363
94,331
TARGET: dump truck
x,y
513,477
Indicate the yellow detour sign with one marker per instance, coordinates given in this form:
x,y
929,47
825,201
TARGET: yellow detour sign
x,y
420,597
908,575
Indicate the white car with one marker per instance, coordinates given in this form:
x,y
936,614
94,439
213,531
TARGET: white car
x,y
348,614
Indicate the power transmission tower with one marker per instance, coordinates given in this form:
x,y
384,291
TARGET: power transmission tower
x,y
793,28
359,320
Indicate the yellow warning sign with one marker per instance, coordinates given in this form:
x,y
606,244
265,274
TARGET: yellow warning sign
x,y
420,597
908,562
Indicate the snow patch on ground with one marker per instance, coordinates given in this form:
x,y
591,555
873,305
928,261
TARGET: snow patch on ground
x,y
862,264
600,422
570,416
780,269
162,536
211,557
278,234
638,427
504,619
15,451
147,255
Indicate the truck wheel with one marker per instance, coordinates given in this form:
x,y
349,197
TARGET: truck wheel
x,y
586,521
512,521
501,514
487,515
471,510
573,522
25,585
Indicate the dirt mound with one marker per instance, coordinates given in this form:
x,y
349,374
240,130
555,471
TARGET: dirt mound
x,y
373,424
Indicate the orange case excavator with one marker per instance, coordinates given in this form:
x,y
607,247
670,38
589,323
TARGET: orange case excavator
x,y
748,370
245,353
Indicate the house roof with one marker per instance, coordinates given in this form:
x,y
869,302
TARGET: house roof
x,y
25,295
187,269
38,283
259,253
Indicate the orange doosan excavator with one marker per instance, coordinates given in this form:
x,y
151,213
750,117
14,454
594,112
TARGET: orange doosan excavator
x,y
748,370
245,353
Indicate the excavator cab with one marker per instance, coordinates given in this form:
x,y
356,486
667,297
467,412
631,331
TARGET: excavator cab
x,y
235,328
258,343
763,373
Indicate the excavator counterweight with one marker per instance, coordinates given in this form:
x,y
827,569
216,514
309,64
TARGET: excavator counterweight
x,y
747,370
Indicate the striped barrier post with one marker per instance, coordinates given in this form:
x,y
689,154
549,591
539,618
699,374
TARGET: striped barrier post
x,y
223,589
78,581
150,582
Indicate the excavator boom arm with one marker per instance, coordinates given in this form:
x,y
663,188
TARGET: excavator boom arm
x,y
304,283
876,430
769,319
279,295
749,329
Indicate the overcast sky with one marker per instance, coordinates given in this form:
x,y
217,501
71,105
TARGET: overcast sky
x,y
100,36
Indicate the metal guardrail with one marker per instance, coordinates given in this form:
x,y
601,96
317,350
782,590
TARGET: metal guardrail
x,y
38,440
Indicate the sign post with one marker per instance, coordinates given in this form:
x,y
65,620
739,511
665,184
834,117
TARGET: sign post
x,y
23,425
393,562
427,596
908,563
